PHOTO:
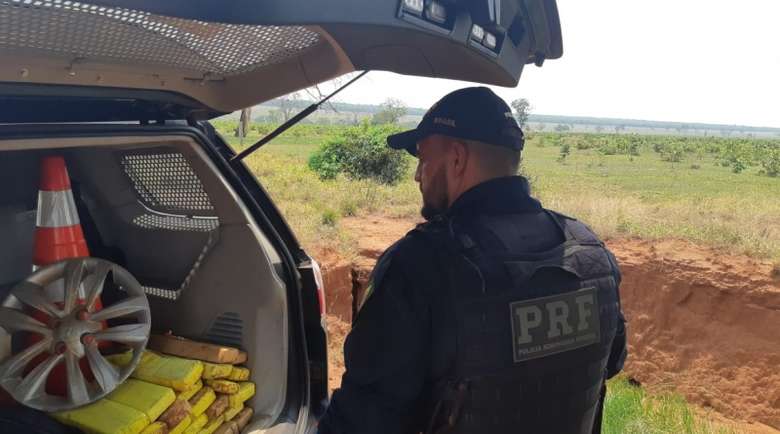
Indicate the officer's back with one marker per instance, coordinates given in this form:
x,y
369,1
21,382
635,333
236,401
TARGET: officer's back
x,y
494,316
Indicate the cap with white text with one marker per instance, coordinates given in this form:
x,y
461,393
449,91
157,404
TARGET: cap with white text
x,y
472,113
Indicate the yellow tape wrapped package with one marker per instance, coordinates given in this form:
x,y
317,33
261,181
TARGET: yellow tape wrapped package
x,y
223,386
174,372
197,424
179,374
246,390
156,428
213,425
213,371
148,398
231,412
189,393
134,406
202,400
238,373
104,417
184,424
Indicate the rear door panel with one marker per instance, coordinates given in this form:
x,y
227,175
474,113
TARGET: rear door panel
x,y
236,54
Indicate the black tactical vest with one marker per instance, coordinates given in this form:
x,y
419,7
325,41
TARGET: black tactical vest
x,y
534,330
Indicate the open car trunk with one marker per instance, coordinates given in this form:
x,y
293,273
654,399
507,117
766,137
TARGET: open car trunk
x,y
157,206
200,59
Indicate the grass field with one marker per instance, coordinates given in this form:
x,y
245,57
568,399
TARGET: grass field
x,y
629,410
620,195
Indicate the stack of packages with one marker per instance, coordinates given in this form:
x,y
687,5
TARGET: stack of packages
x,y
172,394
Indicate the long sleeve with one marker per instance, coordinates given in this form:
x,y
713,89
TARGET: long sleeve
x,y
385,357
619,351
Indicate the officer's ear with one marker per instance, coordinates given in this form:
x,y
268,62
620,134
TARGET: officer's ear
x,y
459,155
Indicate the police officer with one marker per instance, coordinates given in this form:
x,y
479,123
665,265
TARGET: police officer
x,y
496,315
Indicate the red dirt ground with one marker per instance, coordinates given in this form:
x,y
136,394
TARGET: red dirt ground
x,y
700,322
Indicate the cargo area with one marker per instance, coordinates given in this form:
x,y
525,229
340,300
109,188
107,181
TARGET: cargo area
x,y
157,206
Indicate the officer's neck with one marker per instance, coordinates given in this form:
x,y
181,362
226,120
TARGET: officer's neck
x,y
468,182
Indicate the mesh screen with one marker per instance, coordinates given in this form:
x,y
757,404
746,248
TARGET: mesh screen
x,y
127,36
174,294
166,182
175,223
170,294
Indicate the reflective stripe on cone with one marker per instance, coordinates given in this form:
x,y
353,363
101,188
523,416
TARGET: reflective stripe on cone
x,y
56,209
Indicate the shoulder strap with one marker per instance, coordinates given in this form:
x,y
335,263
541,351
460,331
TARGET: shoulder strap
x,y
574,230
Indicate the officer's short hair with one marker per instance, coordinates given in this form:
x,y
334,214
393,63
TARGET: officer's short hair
x,y
495,159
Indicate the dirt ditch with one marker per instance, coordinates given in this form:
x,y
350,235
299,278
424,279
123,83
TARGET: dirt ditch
x,y
701,322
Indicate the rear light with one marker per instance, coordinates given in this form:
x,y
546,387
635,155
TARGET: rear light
x,y
477,33
490,41
436,12
431,14
320,286
414,6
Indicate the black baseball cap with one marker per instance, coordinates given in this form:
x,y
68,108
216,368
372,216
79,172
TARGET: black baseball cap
x,y
473,113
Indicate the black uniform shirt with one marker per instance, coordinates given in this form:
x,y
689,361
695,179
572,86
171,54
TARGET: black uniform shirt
x,y
403,340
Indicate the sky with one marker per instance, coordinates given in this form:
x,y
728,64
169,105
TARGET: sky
x,y
712,61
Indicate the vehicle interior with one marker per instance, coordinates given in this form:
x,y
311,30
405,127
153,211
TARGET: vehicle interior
x,y
157,207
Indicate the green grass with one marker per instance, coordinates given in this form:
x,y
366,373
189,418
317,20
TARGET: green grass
x,y
695,199
646,197
313,207
629,410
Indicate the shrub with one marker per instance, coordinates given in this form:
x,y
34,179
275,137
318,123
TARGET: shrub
x,y
583,145
673,152
632,147
737,166
738,155
361,152
608,148
770,161
329,160
565,151
329,217
349,209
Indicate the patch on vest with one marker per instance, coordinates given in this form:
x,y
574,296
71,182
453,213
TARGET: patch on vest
x,y
550,325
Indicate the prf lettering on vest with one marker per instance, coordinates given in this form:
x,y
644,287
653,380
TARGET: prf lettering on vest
x,y
550,325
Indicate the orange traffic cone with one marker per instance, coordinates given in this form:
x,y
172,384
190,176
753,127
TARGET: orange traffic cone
x,y
58,233
58,236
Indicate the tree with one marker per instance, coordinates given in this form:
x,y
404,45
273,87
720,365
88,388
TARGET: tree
x,y
244,122
522,109
274,116
288,104
392,110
